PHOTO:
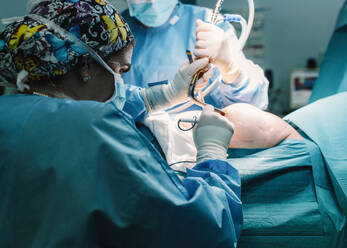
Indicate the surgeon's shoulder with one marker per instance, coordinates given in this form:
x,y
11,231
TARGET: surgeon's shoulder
x,y
196,11
71,111
204,14
192,7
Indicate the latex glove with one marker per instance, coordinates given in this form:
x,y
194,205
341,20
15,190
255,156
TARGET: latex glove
x,y
221,47
160,97
212,135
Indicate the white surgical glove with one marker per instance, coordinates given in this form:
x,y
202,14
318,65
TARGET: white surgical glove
x,y
223,48
160,97
212,135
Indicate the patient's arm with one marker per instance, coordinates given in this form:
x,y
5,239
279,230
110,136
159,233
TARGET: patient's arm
x,y
255,128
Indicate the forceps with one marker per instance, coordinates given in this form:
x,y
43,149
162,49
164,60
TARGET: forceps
x,y
191,94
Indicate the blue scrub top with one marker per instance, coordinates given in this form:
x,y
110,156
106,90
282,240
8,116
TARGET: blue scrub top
x,y
80,174
159,52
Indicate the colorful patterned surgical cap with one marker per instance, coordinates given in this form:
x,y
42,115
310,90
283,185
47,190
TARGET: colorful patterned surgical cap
x,y
43,52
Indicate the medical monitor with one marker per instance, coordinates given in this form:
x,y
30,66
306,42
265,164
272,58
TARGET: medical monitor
x,y
301,84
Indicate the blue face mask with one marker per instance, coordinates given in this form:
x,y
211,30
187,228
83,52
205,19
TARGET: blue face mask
x,y
118,97
152,13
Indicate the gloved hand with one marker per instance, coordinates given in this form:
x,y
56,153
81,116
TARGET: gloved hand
x,y
160,97
221,47
212,135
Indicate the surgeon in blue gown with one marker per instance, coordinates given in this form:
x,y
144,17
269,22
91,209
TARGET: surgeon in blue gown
x,y
164,29
74,170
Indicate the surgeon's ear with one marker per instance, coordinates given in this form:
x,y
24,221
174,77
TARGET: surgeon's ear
x,y
84,67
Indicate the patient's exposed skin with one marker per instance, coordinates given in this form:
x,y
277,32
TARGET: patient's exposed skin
x,y
255,128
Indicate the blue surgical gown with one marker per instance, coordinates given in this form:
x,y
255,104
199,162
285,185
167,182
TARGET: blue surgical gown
x,y
159,53
79,174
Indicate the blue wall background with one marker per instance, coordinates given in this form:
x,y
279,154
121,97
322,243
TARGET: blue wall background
x,y
294,31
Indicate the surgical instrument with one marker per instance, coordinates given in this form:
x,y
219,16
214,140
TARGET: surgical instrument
x,y
191,93
189,55
191,90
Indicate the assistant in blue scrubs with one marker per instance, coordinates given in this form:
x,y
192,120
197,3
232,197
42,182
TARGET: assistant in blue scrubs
x,y
160,51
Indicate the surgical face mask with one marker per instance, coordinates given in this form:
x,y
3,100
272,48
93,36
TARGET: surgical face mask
x,y
152,13
118,97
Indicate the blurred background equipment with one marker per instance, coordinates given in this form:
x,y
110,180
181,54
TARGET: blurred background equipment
x,y
301,84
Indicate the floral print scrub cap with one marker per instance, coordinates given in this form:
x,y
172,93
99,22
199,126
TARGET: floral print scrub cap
x,y
41,51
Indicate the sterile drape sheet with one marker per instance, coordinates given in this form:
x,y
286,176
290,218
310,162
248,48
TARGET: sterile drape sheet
x,y
282,202
325,121
294,194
